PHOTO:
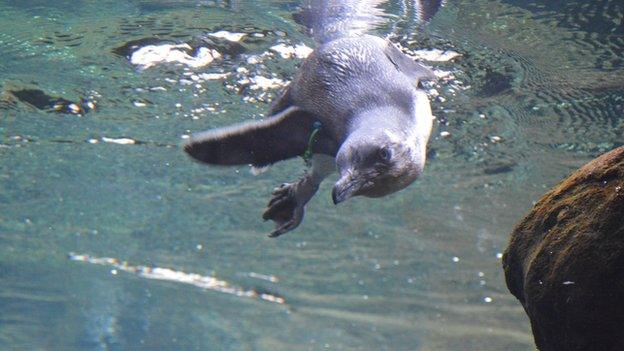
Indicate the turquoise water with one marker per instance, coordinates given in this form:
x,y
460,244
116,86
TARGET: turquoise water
x,y
537,92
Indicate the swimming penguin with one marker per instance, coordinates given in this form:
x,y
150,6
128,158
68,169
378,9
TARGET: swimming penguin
x,y
356,105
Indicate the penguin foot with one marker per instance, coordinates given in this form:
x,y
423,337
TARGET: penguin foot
x,y
284,209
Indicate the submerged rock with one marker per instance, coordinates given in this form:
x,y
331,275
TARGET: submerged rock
x,y
565,260
40,100
495,83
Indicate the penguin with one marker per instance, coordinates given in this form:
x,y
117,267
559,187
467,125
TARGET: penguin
x,y
356,104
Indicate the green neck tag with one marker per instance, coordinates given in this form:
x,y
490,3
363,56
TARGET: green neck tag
x,y
307,155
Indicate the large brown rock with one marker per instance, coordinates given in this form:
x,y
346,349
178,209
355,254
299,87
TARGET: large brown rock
x,y
565,260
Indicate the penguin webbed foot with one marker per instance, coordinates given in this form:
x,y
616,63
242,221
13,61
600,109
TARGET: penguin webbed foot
x,y
284,209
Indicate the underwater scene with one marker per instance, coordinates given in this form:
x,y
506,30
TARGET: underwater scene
x,y
113,238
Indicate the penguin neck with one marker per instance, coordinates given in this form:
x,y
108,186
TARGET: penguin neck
x,y
379,123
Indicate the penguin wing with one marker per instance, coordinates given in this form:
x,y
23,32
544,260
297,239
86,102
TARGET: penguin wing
x,y
260,143
408,66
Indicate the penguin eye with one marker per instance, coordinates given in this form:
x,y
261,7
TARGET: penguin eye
x,y
385,154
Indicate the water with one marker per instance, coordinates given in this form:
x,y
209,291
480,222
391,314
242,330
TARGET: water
x,y
537,92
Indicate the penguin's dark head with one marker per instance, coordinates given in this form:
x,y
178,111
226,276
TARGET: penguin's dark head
x,y
379,161
375,169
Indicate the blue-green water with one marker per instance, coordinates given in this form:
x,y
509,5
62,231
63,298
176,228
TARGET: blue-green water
x,y
537,92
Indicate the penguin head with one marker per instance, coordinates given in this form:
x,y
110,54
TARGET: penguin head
x,y
386,150
378,165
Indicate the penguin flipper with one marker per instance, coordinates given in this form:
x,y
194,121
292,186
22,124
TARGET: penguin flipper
x,y
260,143
409,67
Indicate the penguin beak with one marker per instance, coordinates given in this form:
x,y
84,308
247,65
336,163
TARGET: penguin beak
x,y
345,188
